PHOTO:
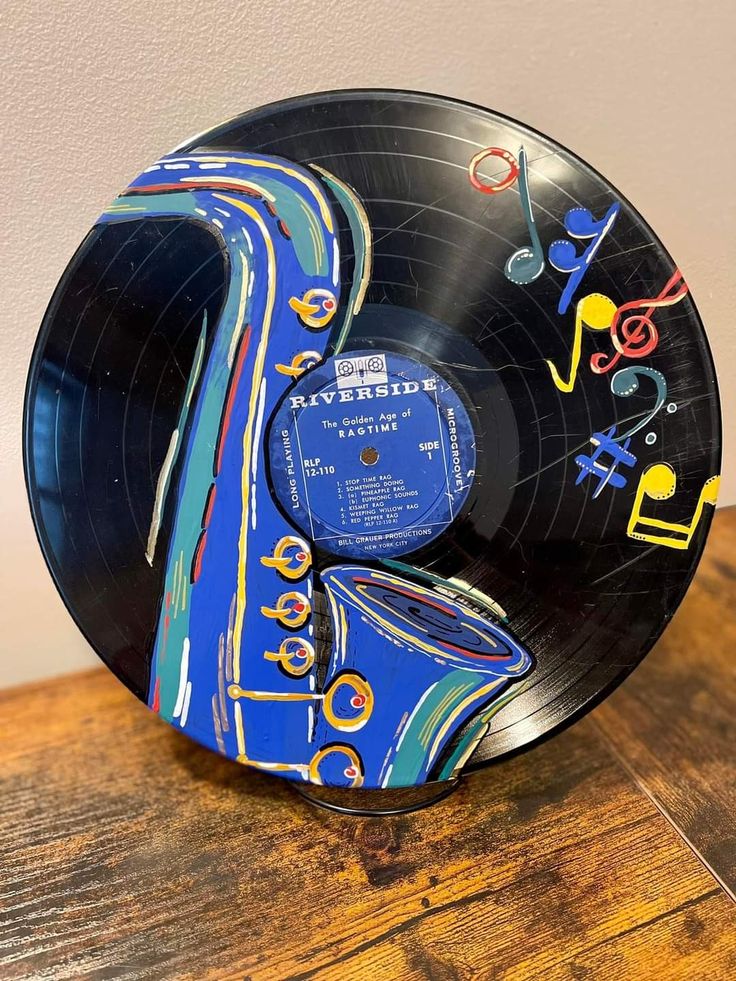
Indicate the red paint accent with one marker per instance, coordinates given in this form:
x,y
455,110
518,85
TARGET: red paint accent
x,y
284,228
168,600
186,185
167,623
300,556
507,157
154,189
231,392
350,771
298,608
404,592
211,494
358,701
157,696
476,657
197,561
639,334
459,650
300,653
270,208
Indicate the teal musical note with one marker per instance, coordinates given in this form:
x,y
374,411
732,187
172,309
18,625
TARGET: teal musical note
x,y
527,263
626,382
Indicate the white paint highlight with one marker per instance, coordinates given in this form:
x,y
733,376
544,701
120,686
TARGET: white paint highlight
x,y
185,707
161,485
256,448
183,678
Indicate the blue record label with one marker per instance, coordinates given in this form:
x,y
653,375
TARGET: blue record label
x,y
372,454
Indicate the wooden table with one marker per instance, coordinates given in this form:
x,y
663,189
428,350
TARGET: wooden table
x,y
606,852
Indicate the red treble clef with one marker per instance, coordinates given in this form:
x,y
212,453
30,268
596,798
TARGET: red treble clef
x,y
637,336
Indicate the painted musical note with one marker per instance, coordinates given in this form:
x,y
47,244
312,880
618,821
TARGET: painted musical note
x,y
483,185
605,443
594,311
638,334
527,263
626,382
562,254
659,483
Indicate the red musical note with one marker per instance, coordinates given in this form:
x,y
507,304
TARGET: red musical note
x,y
484,186
637,336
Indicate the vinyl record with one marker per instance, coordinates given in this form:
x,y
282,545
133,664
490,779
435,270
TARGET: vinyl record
x,y
371,436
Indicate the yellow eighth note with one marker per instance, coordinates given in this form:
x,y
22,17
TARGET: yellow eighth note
x,y
594,311
659,482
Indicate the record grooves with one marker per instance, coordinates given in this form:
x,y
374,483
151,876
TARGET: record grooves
x,y
370,437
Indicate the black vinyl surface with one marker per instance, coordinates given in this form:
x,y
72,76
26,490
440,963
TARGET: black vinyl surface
x,y
588,600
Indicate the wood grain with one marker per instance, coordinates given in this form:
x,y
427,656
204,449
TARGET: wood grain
x,y
674,725
129,852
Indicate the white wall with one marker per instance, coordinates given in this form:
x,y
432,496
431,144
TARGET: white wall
x,y
92,92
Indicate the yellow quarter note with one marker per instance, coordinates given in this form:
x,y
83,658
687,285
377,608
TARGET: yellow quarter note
x,y
594,311
659,482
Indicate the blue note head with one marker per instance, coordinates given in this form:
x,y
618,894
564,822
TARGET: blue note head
x,y
580,223
564,256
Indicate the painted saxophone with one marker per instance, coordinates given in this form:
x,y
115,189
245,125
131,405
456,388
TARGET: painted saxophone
x,y
407,683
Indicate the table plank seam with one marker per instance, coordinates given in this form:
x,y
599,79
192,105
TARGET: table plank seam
x,y
642,787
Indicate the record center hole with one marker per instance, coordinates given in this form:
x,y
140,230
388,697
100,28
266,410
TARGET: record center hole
x,y
369,455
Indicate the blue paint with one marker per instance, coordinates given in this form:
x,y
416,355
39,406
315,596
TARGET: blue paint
x,y
235,660
373,454
432,664
563,255
605,445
